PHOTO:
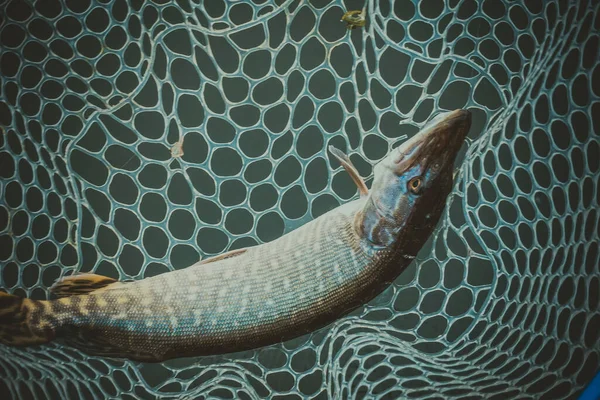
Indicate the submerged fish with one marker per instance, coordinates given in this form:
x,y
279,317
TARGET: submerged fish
x,y
265,294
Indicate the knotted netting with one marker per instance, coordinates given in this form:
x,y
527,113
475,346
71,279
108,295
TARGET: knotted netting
x,y
139,137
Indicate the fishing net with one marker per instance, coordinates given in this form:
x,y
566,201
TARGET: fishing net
x,y
139,137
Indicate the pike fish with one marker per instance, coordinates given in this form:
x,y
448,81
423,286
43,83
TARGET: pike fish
x,y
268,293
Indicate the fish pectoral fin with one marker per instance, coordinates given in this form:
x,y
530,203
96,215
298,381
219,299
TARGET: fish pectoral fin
x,y
80,284
351,169
229,254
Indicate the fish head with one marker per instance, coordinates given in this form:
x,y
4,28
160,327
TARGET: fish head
x,y
412,182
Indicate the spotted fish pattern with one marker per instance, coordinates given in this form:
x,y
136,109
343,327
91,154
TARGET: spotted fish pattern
x,y
269,293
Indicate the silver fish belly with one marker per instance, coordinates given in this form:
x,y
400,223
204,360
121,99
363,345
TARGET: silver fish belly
x,y
272,292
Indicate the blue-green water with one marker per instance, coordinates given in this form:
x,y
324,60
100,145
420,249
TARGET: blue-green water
x,y
139,137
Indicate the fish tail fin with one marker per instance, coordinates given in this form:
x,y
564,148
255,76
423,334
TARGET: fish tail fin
x,y
21,322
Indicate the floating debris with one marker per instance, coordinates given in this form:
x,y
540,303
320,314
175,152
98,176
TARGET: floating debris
x,y
177,149
355,18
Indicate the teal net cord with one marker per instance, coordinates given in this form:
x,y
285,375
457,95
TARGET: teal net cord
x,y
139,137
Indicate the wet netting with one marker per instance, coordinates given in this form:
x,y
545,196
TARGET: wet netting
x,y
139,137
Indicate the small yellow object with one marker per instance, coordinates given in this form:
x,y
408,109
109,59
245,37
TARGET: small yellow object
x,y
355,19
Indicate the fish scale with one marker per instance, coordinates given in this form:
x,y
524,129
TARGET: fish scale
x,y
212,322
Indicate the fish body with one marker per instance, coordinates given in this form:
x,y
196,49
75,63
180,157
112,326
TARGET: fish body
x,y
264,294
271,292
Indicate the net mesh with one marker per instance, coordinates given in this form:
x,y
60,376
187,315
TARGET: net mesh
x,y
138,137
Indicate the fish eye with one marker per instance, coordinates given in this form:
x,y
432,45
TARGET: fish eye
x,y
415,184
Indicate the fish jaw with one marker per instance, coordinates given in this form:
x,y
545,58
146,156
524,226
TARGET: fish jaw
x,y
426,159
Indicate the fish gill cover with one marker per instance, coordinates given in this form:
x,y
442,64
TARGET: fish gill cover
x,y
139,137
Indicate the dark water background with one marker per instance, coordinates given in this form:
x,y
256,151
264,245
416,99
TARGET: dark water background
x,y
504,300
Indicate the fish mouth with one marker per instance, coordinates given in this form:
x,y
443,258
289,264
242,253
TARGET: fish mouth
x,y
448,119
437,143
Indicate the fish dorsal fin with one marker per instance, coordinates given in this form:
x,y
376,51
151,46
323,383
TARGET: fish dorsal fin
x,y
351,169
80,284
229,254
